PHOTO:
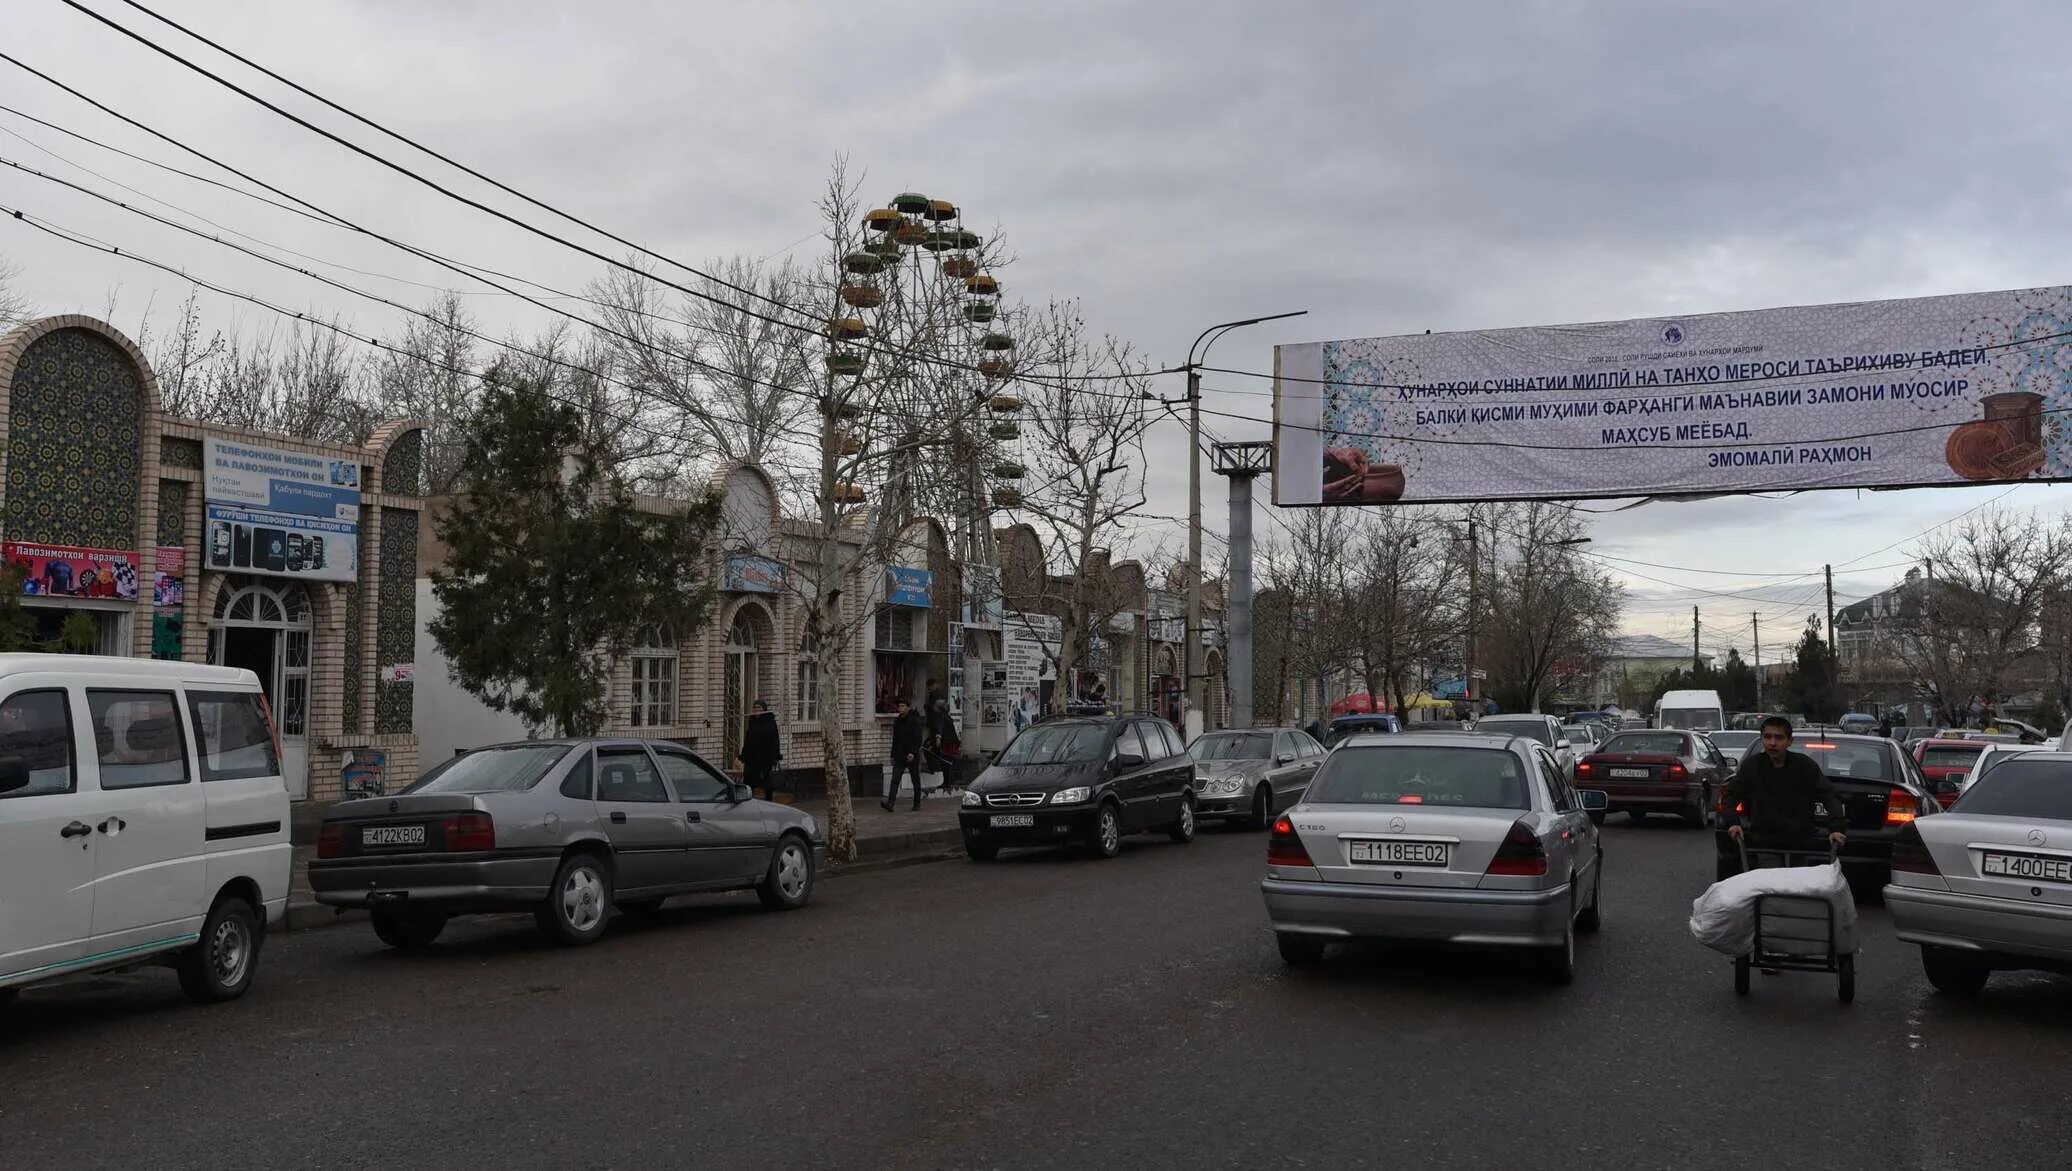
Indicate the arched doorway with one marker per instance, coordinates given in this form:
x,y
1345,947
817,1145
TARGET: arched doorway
x,y
265,629
740,678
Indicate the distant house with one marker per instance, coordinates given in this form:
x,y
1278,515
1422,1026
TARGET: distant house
x,y
1636,663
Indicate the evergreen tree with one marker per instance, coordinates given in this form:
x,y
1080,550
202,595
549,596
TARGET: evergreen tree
x,y
1814,686
1737,683
17,625
552,570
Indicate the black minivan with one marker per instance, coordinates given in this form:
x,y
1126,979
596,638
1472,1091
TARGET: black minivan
x,y
1082,781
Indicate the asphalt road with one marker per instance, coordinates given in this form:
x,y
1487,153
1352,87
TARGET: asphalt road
x,y
1041,1012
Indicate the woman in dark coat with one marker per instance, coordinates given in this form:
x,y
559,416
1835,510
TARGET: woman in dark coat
x,y
760,751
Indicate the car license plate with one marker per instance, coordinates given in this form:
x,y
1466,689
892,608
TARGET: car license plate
x,y
1637,774
392,835
1400,853
1013,820
2027,866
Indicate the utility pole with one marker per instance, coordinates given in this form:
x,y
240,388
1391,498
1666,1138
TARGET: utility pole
x,y
1834,652
1697,663
1191,649
1242,463
1756,620
1474,619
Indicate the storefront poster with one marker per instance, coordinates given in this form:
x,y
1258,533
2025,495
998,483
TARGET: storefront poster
x,y
281,513
746,574
67,571
993,693
169,580
1929,391
907,587
363,774
983,602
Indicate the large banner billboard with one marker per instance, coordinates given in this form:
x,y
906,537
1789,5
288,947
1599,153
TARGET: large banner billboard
x,y
281,512
1960,389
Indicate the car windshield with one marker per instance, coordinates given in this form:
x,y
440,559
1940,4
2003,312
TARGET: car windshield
x,y
1481,778
1652,743
1734,743
1577,732
1055,744
1232,746
1935,757
1846,761
2022,788
492,770
1533,729
1695,719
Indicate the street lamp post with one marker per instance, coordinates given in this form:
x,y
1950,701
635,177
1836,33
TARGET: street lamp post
x,y
1197,681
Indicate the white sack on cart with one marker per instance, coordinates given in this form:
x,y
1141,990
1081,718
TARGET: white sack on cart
x,y
1723,918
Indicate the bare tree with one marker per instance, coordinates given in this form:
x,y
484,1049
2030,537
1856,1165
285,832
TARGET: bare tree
x,y
1305,572
1086,433
1963,630
1548,607
1407,600
436,377
14,304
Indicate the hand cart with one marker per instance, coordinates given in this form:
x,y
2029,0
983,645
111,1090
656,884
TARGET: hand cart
x,y
1795,933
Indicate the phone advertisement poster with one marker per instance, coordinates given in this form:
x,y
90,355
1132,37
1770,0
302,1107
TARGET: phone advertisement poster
x,y
281,513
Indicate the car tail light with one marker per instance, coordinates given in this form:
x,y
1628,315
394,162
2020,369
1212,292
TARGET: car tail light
x,y
1521,855
1900,807
1910,854
1284,848
470,832
1676,772
330,840
1583,768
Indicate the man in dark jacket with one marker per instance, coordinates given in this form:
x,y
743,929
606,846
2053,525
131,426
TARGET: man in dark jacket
x,y
907,733
760,750
1779,789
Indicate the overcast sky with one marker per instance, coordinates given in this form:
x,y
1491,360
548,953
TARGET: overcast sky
x,y
1390,167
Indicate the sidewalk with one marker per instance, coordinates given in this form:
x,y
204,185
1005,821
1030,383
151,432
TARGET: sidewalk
x,y
882,839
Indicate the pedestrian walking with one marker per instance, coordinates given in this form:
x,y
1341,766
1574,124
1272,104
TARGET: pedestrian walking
x,y
907,733
945,747
1885,725
761,750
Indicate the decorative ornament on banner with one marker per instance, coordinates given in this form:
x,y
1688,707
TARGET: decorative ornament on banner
x,y
1931,391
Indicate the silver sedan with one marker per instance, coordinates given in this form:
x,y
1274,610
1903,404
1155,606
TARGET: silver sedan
x,y
1450,837
571,830
1252,774
1987,886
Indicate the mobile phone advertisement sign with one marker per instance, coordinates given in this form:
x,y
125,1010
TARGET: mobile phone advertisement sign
x,y
281,513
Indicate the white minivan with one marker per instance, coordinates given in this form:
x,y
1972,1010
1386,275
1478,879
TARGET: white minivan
x,y
143,819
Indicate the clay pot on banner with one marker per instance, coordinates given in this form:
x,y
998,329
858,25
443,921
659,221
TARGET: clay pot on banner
x,y
2005,445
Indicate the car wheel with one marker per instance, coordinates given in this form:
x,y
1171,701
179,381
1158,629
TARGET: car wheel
x,y
1262,808
978,853
789,882
1106,838
1182,829
1558,963
1699,816
1300,951
1954,972
578,904
407,932
1591,919
221,965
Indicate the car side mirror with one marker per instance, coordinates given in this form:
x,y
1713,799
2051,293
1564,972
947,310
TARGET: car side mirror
x,y
1562,744
1125,761
1285,758
737,793
14,774
1594,800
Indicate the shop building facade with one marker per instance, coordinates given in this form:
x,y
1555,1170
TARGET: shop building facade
x,y
139,533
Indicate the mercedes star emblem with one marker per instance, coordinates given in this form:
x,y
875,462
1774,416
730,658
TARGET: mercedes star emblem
x,y
1397,825
2036,837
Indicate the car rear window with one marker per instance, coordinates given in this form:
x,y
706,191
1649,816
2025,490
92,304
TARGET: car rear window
x,y
1056,744
2022,788
1949,757
1480,778
1532,729
1243,746
1850,762
1654,743
493,770
236,743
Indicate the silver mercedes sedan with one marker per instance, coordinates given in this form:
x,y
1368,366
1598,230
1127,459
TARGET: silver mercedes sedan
x,y
1251,774
1458,838
1987,886
571,830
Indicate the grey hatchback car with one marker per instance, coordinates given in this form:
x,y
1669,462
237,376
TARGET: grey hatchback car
x,y
571,830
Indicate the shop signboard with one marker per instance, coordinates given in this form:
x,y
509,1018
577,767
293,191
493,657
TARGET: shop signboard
x,y
69,571
907,587
281,513
748,574
1928,391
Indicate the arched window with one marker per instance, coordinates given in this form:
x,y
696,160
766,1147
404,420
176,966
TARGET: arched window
x,y
654,678
808,701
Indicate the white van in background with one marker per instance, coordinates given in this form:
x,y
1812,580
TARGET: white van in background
x,y
1692,711
143,819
